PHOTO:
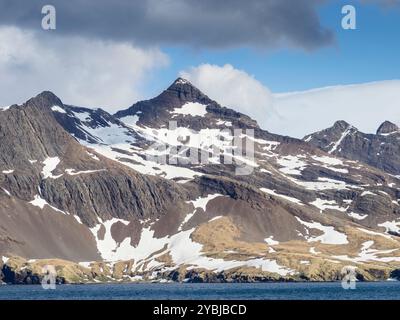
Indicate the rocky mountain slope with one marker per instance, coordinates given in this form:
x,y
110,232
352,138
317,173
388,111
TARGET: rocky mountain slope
x,y
380,150
164,191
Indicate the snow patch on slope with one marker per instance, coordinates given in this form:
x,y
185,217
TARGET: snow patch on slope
x,y
182,249
329,236
50,164
338,142
58,109
292,165
199,203
391,226
73,172
191,108
367,254
273,193
327,204
39,202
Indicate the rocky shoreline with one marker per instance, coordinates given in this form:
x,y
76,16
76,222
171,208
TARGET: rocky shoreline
x,y
19,271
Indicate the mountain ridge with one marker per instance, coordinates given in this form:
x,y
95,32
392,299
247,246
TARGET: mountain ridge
x,y
299,212
380,150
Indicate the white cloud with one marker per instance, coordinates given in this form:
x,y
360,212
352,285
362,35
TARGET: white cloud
x,y
80,71
233,88
297,114
365,106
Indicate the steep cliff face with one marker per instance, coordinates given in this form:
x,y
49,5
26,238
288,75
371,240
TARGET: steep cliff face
x,y
118,190
380,150
45,171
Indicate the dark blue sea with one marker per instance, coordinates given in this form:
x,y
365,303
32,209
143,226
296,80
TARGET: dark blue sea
x,y
389,290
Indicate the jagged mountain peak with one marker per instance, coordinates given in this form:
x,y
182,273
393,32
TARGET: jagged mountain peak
x,y
46,94
187,105
179,93
342,125
180,82
186,91
45,99
387,127
379,150
337,130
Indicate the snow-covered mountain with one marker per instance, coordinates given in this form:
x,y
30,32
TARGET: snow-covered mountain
x,y
114,197
380,150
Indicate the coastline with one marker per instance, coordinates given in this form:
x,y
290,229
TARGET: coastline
x,y
18,271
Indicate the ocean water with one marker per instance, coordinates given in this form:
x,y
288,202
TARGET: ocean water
x,y
389,290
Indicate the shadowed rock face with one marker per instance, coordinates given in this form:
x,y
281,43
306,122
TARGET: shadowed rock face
x,y
72,117
387,128
88,186
110,190
29,132
380,150
30,231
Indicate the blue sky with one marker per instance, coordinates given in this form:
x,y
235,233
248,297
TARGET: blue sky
x,y
110,56
370,53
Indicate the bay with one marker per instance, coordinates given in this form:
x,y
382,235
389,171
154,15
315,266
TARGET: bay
x,y
389,290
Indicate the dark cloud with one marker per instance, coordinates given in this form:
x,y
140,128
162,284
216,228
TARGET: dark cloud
x,y
198,23
386,3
